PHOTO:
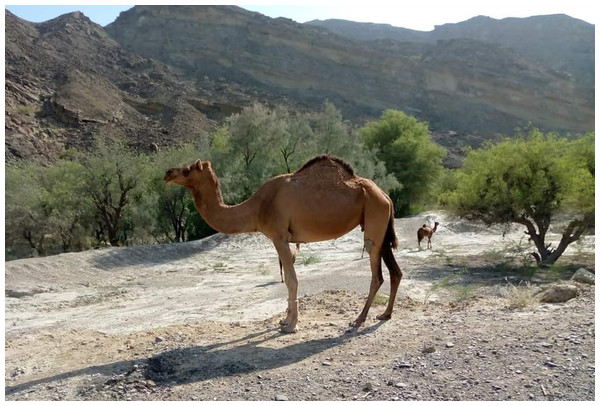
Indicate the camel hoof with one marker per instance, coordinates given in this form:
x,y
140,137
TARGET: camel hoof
x,y
384,317
356,323
288,329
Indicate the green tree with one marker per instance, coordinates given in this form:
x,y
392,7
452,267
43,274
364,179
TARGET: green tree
x,y
527,181
116,180
70,209
44,207
405,146
251,148
26,216
296,142
332,134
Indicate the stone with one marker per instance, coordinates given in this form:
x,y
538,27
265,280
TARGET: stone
x,y
281,397
584,276
559,293
428,349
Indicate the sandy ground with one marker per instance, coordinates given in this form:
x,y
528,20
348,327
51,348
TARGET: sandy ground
x,y
198,321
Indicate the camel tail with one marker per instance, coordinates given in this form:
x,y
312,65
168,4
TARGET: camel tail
x,y
390,240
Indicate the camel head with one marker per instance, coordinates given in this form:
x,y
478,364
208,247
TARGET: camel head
x,y
190,176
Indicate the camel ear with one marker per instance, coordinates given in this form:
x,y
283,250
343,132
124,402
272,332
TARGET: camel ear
x,y
198,165
208,165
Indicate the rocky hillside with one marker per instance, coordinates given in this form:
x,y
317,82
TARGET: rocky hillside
x,y
459,84
558,42
68,81
163,74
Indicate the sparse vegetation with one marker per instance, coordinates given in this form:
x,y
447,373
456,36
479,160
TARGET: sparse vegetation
x,y
465,292
452,285
380,299
309,259
26,110
519,296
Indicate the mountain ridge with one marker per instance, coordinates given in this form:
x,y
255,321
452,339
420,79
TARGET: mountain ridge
x,y
573,37
163,75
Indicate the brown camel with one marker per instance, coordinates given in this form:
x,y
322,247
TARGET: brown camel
x,y
321,201
426,231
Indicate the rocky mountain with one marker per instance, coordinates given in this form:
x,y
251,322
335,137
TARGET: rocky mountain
x,y
557,42
68,81
162,74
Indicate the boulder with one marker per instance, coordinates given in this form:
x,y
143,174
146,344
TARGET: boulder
x,y
584,276
559,293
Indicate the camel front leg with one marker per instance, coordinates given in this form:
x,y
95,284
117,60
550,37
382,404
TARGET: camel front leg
x,y
288,325
376,282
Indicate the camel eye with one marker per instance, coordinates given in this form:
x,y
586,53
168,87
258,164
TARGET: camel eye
x,y
186,172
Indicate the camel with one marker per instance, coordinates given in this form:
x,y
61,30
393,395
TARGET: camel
x,y
426,231
294,255
322,200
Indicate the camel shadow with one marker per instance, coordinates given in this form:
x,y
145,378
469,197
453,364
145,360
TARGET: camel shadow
x,y
200,363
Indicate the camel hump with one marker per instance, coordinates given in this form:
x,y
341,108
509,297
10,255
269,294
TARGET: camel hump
x,y
331,158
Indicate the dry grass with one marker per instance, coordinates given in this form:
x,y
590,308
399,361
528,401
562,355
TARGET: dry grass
x,y
519,296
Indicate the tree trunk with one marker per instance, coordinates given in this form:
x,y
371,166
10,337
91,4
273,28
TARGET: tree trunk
x,y
113,238
573,231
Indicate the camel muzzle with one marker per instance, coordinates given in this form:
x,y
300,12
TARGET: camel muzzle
x,y
168,177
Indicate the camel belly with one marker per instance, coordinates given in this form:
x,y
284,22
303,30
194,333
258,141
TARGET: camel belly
x,y
314,231
323,223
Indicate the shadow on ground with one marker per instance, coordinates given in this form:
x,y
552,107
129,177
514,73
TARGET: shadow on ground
x,y
489,275
199,363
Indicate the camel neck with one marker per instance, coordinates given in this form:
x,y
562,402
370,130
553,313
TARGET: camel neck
x,y
240,218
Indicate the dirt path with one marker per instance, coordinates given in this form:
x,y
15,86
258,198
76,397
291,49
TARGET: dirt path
x,y
197,321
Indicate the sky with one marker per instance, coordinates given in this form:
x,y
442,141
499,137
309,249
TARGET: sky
x,y
413,14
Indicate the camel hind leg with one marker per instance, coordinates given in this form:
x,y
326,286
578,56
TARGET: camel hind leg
x,y
375,226
395,278
376,282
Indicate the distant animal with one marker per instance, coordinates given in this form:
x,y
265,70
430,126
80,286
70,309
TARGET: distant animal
x,y
322,200
294,255
426,231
